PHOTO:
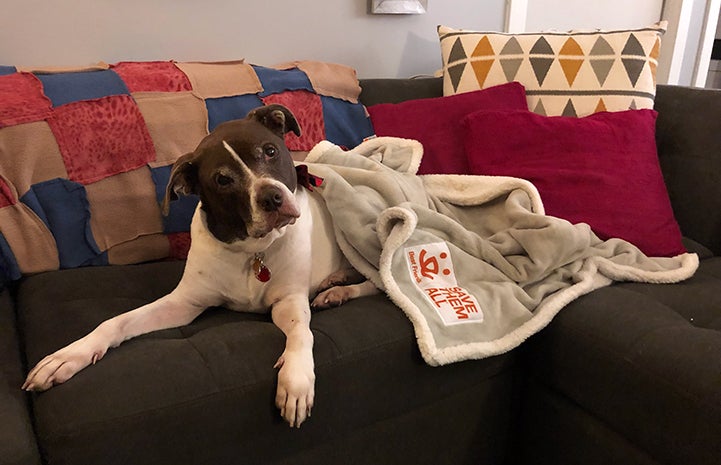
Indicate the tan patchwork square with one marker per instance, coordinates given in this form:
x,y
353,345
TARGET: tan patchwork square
x,y
34,144
221,79
29,238
330,79
142,249
123,207
177,122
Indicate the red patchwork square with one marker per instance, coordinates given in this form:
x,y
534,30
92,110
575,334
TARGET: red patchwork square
x,y
153,76
22,99
179,245
6,194
308,110
100,138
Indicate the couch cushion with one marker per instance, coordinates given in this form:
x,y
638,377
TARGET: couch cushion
x,y
602,170
206,390
572,73
436,123
17,440
644,360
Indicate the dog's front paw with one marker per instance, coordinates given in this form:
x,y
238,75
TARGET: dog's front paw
x,y
296,387
62,365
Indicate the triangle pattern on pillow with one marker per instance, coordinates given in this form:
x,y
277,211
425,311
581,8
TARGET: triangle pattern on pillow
x,y
455,72
634,67
541,57
569,109
571,58
601,68
511,58
575,72
457,52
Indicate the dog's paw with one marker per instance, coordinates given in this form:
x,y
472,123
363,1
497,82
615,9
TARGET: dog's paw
x,y
341,277
296,387
62,365
333,297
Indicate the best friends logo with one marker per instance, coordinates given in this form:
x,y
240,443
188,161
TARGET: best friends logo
x,y
432,271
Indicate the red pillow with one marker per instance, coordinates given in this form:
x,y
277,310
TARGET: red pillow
x,y
436,123
602,170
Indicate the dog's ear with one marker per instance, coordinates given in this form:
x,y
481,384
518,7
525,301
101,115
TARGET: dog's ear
x,y
183,180
277,118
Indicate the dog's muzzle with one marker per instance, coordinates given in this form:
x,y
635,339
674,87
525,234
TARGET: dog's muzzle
x,y
277,208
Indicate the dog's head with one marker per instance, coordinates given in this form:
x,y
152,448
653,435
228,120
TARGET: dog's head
x,y
243,174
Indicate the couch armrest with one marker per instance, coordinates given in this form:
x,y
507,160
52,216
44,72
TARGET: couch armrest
x,y
688,134
17,439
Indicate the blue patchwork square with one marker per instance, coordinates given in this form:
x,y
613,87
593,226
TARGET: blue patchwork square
x,y
63,206
346,124
62,88
225,109
9,269
275,81
4,70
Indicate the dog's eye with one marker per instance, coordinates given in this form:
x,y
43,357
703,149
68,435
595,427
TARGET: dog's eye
x,y
270,150
223,180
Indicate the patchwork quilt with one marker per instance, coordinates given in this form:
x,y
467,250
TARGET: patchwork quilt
x,y
85,154
473,261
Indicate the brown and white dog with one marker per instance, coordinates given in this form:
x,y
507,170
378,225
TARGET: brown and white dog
x,y
252,219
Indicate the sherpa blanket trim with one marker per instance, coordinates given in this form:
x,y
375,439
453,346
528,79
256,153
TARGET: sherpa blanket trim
x,y
473,261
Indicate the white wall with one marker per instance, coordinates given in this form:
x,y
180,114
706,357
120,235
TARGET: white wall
x,y
79,32
591,14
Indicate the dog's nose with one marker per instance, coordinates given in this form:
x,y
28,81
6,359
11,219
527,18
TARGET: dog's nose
x,y
271,198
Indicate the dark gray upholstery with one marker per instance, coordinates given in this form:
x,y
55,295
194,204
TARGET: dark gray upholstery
x,y
688,136
17,442
627,374
642,361
206,390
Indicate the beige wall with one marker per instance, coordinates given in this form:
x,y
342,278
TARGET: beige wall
x,y
42,32
592,14
78,32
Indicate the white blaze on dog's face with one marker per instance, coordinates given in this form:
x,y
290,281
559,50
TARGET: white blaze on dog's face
x,y
243,174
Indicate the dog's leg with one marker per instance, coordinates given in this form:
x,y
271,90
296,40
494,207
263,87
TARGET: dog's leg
x,y
338,295
342,277
167,312
342,286
296,376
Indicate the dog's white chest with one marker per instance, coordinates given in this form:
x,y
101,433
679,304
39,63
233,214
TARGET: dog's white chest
x,y
225,277
303,255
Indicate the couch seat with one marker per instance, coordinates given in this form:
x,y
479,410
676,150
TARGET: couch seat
x,y
643,362
204,393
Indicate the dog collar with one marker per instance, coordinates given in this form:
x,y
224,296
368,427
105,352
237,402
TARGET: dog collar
x,y
307,180
262,272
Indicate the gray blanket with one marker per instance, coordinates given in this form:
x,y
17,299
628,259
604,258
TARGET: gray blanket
x,y
473,261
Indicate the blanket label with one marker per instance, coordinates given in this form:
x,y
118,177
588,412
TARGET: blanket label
x,y
431,270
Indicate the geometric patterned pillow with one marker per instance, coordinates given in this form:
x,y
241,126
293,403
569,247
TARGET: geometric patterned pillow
x,y
574,73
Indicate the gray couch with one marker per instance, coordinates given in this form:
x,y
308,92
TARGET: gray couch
x,y
627,374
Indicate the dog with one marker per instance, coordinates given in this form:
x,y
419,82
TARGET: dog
x,y
253,221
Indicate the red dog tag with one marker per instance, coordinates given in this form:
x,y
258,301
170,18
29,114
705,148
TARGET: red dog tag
x,y
262,272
